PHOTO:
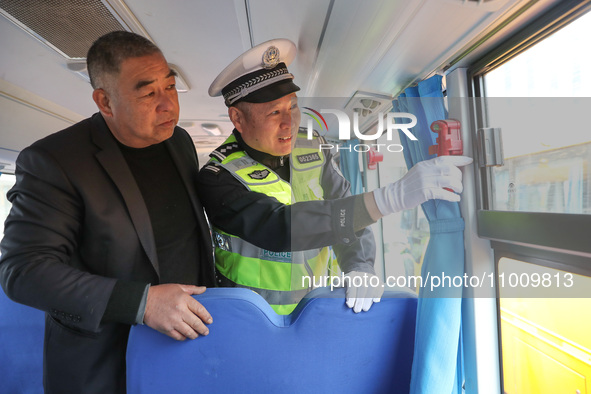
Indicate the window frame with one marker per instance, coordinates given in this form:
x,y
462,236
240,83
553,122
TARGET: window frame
x,y
554,240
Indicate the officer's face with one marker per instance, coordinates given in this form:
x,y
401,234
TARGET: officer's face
x,y
140,105
269,127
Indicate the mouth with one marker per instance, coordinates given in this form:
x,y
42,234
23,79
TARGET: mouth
x,y
285,139
169,123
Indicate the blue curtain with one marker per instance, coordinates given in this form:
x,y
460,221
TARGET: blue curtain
x,y
437,363
350,166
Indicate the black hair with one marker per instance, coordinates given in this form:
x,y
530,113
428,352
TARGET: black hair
x,y
110,50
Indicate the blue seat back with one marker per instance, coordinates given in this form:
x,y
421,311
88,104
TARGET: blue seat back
x,y
321,347
21,347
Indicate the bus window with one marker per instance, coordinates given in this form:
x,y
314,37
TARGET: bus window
x,y
537,100
540,99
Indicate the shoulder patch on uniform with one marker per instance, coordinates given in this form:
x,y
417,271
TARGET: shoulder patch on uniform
x,y
225,150
212,168
259,174
308,158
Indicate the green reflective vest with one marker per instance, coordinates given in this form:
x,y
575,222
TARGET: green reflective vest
x,y
282,278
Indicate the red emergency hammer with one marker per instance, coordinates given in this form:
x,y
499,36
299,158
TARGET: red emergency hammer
x,y
449,140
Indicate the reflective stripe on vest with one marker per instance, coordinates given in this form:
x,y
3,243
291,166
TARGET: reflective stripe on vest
x,y
276,276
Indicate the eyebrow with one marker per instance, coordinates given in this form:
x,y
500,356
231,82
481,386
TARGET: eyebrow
x,y
143,83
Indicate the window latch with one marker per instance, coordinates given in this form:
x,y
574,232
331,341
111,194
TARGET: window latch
x,y
490,147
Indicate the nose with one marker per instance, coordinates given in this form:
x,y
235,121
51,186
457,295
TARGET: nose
x,y
168,101
286,121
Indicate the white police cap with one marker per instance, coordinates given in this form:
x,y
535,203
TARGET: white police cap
x,y
259,75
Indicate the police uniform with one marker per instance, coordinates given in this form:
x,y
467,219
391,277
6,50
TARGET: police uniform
x,y
274,217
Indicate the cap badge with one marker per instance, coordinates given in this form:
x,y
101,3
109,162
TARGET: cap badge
x,y
271,57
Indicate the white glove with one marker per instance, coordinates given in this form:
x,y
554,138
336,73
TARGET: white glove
x,y
363,290
424,181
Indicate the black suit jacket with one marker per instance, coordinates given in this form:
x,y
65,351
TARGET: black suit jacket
x,y
78,224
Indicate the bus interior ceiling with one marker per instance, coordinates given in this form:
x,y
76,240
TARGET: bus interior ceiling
x,y
346,49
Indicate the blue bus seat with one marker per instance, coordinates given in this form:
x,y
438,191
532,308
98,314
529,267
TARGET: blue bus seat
x,y
21,347
321,347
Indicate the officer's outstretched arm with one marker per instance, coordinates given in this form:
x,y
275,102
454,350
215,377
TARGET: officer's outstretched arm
x,y
425,181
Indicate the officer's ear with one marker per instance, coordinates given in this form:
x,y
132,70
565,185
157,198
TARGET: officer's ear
x,y
238,117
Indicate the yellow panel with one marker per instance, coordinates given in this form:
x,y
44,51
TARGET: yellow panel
x,y
536,360
543,374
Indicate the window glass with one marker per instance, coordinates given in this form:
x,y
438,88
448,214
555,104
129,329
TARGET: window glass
x,y
558,66
541,99
6,182
545,337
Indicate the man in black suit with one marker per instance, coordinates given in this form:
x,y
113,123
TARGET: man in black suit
x,y
106,229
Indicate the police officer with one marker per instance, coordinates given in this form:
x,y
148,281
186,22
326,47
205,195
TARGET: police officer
x,y
280,208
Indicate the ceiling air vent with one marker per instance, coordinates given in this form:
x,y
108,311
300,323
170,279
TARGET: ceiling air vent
x,y
369,108
70,26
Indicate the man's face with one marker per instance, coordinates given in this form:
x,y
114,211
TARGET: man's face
x,y
270,127
143,106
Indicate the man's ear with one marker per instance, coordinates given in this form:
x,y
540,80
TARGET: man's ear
x,y
237,118
103,102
